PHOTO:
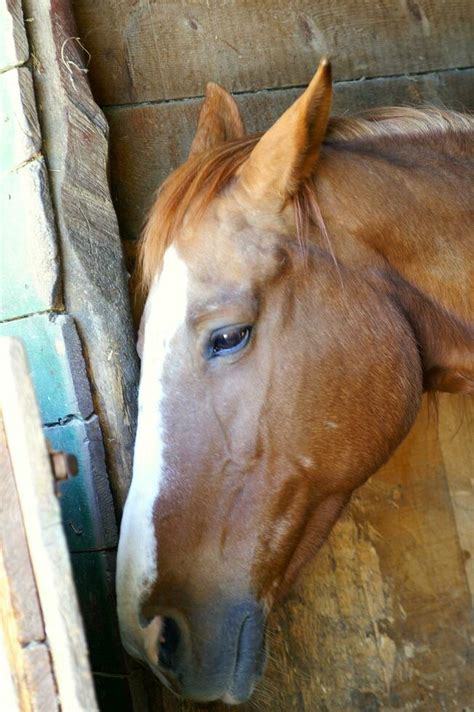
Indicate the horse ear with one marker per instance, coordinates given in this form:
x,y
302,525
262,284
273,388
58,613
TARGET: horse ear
x,y
219,120
287,153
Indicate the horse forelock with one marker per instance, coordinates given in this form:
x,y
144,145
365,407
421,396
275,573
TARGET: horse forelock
x,y
186,193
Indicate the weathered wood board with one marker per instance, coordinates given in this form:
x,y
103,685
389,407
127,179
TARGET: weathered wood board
x,y
382,618
148,51
13,42
41,628
27,664
74,134
456,439
149,141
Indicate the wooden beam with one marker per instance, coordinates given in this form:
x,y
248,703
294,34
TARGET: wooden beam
x,y
143,51
42,521
455,430
13,679
95,288
27,675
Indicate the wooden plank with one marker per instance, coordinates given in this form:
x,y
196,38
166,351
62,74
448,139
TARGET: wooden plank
x,y
382,618
144,51
21,139
149,141
95,286
406,510
27,660
13,42
45,536
15,554
456,437
39,679
13,656
8,694
26,665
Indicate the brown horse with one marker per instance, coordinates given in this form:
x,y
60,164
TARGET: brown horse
x,y
304,287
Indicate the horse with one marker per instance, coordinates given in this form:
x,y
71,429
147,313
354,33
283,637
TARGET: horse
x,y
303,288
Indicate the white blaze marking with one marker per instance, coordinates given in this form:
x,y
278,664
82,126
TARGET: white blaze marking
x,y
165,313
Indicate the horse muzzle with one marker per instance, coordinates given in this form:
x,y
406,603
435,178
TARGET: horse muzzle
x,y
214,653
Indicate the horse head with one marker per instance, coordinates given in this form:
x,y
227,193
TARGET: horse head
x,y
274,381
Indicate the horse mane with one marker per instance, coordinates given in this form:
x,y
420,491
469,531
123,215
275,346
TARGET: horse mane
x,y
393,121
188,191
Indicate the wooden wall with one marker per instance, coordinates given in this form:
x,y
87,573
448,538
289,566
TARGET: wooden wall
x,y
150,61
382,619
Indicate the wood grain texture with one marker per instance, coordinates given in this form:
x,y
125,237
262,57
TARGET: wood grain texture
x,y
147,142
11,648
150,50
22,633
94,278
456,437
15,555
382,618
39,679
14,49
43,529
21,138
8,692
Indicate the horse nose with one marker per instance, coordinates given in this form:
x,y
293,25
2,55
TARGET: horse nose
x,y
210,652
164,639
169,644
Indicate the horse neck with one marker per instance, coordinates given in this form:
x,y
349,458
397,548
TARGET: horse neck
x,y
404,212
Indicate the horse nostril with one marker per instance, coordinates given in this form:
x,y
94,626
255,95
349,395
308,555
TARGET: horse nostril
x,y
168,642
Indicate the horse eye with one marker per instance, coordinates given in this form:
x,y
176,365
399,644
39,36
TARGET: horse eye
x,y
228,340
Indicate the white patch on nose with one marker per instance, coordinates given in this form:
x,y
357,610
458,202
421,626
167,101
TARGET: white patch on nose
x,y
165,313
